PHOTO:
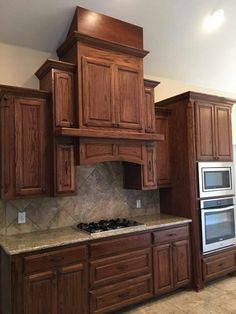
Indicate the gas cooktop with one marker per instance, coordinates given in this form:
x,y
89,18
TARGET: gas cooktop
x,y
107,225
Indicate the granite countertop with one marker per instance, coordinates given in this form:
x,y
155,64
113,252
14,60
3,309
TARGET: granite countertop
x,y
29,242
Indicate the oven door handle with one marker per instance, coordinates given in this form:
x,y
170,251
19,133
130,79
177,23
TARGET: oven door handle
x,y
218,209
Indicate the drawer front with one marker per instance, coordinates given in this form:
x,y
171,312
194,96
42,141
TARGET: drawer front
x,y
216,266
117,296
120,245
171,234
53,259
112,269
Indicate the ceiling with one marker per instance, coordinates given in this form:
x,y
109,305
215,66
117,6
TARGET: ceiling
x,y
179,48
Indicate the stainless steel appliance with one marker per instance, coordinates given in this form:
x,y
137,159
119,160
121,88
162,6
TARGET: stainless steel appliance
x,y
218,223
215,179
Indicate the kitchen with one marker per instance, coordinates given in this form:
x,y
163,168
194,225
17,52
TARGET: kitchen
x,y
127,173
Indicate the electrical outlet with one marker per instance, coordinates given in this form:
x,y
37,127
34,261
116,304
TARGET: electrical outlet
x,y
138,204
21,218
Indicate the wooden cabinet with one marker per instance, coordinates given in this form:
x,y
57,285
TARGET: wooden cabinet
x,y
218,264
65,173
142,177
149,111
163,158
25,143
120,272
57,77
213,131
111,94
171,259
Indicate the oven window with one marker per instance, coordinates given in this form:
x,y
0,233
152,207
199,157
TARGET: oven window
x,y
219,226
217,179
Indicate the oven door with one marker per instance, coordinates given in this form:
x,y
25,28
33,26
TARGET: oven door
x,y
218,228
215,179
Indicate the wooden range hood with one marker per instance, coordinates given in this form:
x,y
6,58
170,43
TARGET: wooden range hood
x,y
101,103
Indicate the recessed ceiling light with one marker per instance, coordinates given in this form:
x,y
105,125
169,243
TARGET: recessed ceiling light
x,y
214,20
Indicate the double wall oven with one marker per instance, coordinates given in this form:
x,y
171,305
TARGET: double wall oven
x,y
217,204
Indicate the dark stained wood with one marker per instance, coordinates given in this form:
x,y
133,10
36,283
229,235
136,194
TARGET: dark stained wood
x,y
128,98
38,262
30,146
106,27
98,93
171,234
218,264
51,64
40,293
72,289
182,198
120,267
163,270
92,133
205,131
181,263
119,245
223,130
116,296
149,110
65,168
163,163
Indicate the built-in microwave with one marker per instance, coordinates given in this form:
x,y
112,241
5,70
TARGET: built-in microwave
x,y
215,179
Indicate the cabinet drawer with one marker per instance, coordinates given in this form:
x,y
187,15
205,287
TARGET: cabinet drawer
x,y
53,259
112,269
120,245
117,296
171,234
218,265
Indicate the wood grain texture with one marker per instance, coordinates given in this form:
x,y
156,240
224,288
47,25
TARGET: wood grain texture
x,y
149,105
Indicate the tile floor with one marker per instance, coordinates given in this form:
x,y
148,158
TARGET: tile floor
x,y
219,297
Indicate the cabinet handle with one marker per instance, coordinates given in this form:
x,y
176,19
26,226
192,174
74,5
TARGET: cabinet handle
x,y
221,264
115,125
172,234
57,259
121,267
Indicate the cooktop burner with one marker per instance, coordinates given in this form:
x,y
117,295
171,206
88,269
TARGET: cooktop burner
x,y
106,225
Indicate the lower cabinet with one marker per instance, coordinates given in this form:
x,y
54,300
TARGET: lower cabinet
x,y
171,260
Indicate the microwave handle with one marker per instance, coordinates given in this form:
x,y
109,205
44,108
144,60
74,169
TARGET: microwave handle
x,y
218,209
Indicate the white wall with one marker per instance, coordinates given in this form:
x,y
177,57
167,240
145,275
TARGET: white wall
x,y
18,65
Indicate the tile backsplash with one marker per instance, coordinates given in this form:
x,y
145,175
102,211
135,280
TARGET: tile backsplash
x,y
100,194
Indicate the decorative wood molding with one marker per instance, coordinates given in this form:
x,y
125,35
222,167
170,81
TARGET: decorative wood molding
x,y
101,43
151,83
76,132
21,91
54,64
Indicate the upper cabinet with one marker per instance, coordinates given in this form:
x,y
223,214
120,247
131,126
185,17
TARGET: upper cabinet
x,y
149,106
213,131
25,158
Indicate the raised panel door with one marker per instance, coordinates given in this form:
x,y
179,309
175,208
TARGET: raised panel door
x,y
30,146
40,293
149,109
149,173
223,133
98,92
163,152
64,98
65,168
205,131
72,289
181,263
129,91
163,270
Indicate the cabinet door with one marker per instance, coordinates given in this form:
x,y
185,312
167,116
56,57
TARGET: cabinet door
x,y
149,173
223,133
72,289
149,109
40,293
163,271
30,146
205,131
98,93
64,102
129,91
163,152
181,263
65,168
